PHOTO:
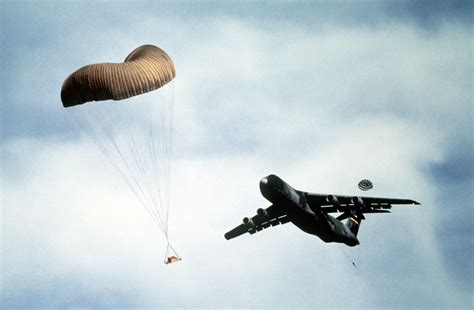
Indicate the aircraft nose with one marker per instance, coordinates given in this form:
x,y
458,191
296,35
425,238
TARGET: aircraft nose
x,y
265,188
271,187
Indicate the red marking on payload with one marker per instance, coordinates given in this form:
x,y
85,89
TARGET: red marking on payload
x,y
172,259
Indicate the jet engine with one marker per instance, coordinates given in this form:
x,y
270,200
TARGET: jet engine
x,y
248,221
262,212
333,200
357,201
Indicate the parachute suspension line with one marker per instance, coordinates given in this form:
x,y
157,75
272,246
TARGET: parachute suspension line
x,y
142,160
167,128
156,173
164,162
109,158
170,165
165,260
143,196
134,153
173,258
347,256
158,200
130,147
166,117
164,149
130,171
125,169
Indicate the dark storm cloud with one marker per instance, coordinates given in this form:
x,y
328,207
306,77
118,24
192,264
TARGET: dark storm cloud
x,y
33,120
31,73
458,165
455,180
453,228
430,14
425,14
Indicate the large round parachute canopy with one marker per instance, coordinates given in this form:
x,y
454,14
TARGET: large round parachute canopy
x,y
145,69
365,185
136,139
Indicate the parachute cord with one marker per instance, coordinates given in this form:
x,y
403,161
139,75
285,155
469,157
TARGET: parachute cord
x,y
142,162
166,252
109,158
170,155
141,196
168,247
347,256
146,200
137,189
157,164
174,251
156,187
117,149
153,189
164,163
166,158
138,159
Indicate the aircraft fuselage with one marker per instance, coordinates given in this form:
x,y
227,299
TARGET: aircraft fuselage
x,y
311,221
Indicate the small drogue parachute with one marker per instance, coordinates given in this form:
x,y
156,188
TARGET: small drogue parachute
x,y
365,185
134,135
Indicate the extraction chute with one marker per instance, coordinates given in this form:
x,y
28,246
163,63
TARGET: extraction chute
x,y
365,185
134,135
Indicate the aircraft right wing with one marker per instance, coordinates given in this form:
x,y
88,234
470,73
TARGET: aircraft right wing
x,y
271,216
341,203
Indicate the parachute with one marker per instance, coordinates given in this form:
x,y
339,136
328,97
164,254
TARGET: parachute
x,y
134,135
365,185
145,69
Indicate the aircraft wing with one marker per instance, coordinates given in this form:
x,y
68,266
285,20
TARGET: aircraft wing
x,y
271,216
341,203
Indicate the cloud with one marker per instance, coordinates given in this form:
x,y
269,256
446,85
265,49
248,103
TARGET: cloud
x,y
322,105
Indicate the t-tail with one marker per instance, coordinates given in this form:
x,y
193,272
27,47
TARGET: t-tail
x,y
353,222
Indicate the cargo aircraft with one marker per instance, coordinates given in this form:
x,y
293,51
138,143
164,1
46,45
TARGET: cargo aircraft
x,y
309,212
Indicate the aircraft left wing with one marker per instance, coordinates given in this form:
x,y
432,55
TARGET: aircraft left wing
x,y
271,216
340,203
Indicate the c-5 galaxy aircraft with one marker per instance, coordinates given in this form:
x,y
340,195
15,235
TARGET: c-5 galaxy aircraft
x,y
309,212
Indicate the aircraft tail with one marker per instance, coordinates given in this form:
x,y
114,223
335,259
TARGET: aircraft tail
x,y
353,222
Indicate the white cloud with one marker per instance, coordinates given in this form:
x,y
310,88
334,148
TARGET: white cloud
x,y
320,108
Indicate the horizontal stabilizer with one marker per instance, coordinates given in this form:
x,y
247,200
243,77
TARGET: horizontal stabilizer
x,y
377,211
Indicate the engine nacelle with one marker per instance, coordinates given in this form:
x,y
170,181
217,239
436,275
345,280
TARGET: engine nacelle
x,y
248,221
357,201
333,200
262,212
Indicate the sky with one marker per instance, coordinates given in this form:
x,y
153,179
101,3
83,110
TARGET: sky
x,y
322,94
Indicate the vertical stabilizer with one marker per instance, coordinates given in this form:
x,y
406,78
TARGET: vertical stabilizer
x,y
353,222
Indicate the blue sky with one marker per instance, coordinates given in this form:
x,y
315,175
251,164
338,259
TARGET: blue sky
x,y
322,94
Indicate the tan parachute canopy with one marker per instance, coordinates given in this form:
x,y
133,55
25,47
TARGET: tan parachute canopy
x,y
135,139
145,69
